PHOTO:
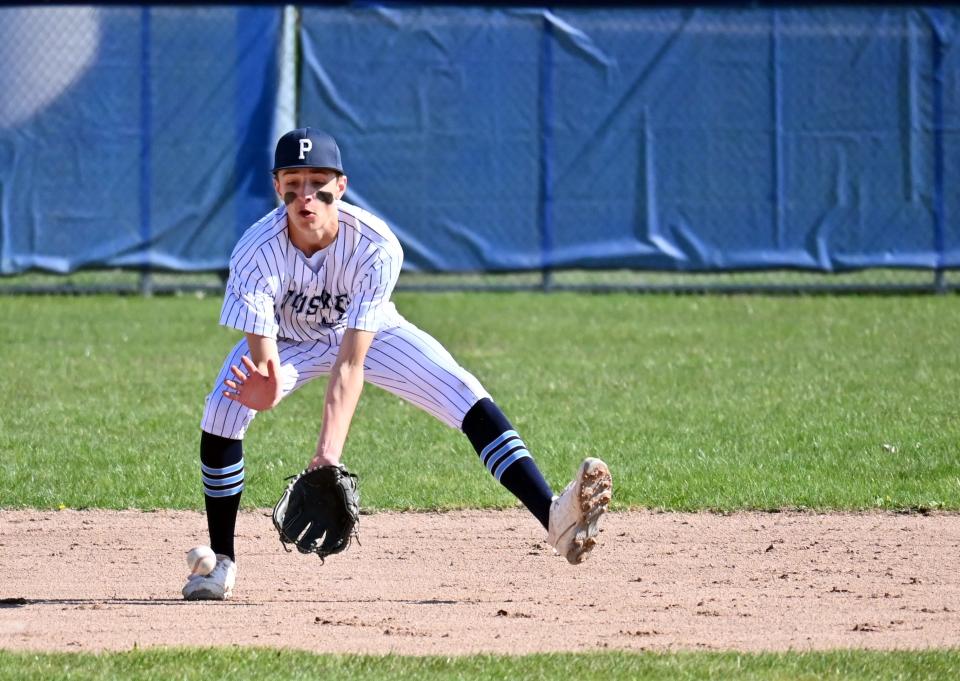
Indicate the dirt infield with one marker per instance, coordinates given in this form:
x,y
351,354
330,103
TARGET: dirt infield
x,y
466,582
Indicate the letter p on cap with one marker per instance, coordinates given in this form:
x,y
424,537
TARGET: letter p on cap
x,y
305,146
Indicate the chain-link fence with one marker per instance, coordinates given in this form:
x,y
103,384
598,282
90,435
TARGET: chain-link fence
x,y
134,282
647,149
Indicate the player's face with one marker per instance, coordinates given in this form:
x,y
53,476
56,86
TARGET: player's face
x,y
310,195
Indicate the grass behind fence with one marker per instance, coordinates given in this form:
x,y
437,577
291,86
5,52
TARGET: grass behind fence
x,y
696,402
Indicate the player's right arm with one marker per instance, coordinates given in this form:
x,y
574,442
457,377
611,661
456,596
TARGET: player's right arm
x,y
258,387
248,306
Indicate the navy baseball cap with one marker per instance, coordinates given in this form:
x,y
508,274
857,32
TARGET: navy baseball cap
x,y
307,148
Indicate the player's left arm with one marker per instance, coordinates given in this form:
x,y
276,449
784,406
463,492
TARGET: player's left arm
x,y
371,293
343,393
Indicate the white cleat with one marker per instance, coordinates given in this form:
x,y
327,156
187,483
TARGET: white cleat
x,y
217,586
575,513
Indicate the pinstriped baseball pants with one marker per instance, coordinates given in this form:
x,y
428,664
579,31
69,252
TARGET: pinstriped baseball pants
x,y
403,360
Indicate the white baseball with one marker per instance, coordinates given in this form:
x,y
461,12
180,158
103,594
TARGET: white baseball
x,y
201,560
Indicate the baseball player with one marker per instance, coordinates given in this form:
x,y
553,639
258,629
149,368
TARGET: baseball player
x,y
309,287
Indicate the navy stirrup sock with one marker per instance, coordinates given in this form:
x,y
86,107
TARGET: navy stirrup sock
x,y
506,457
221,465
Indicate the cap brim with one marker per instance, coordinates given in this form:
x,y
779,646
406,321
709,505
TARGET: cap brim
x,y
299,165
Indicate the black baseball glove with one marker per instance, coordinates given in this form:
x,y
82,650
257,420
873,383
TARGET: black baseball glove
x,y
319,511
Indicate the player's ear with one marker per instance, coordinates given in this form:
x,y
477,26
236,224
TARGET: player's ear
x,y
341,185
276,184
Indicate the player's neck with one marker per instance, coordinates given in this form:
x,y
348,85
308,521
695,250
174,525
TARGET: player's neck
x,y
310,240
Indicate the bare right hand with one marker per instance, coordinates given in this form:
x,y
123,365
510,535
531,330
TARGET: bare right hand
x,y
254,389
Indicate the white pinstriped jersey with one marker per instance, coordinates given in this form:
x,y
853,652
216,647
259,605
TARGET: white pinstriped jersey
x,y
306,304
274,290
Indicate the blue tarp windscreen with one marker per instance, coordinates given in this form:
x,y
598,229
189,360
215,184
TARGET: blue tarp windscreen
x,y
133,136
713,139
492,138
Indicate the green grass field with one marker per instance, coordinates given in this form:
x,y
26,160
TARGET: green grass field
x,y
695,402
267,665
719,403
